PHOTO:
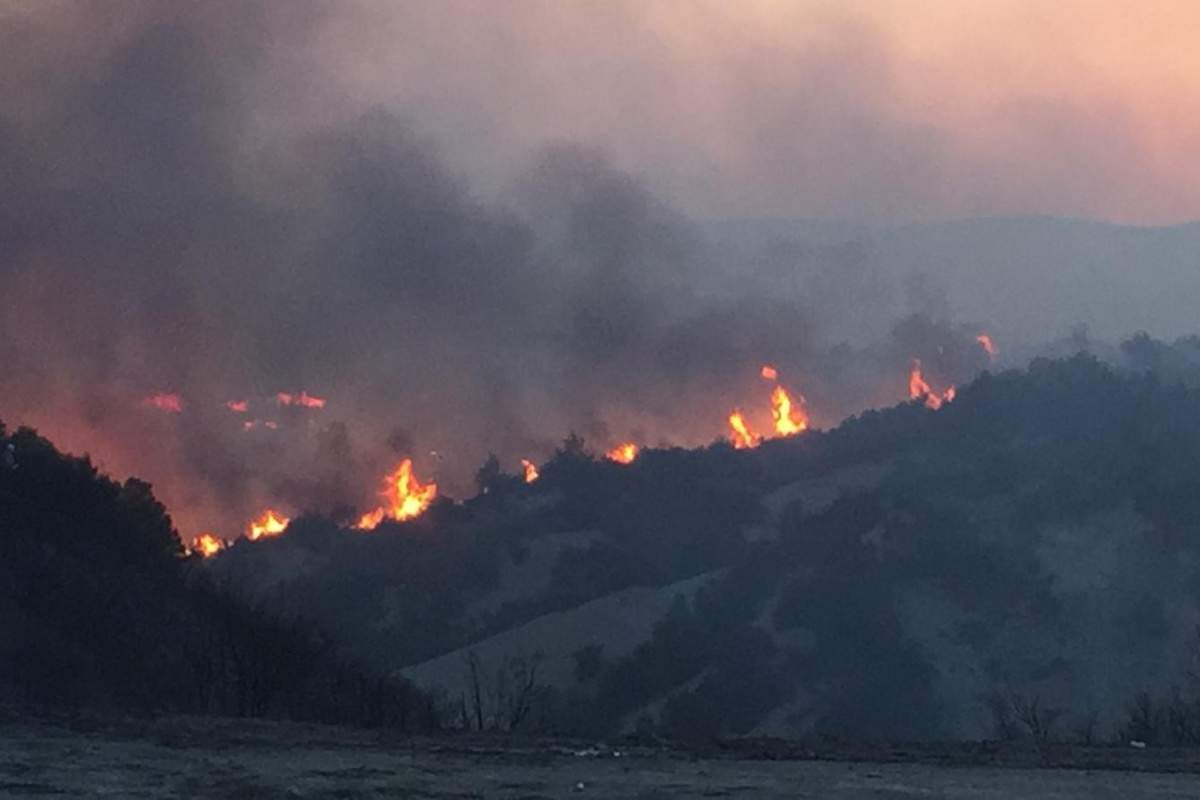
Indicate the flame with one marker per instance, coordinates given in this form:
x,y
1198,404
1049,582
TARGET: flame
x,y
788,422
769,372
270,523
165,401
531,470
304,400
623,453
238,406
919,388
207,545
988,345
406,497
741,436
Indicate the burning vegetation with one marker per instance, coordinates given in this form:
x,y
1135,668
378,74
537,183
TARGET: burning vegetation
x,y
170,402
207,545
624,453
404,496
270,523
919,388
301,400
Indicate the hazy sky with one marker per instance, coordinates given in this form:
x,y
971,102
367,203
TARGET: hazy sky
x,y
880,109
472,225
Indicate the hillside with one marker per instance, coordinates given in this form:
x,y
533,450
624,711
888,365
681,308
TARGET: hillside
x,y
100,611
1029,279
1024,559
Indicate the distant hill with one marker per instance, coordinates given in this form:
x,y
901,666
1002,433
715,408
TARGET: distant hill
x,y
1026,559
101,611
1031,279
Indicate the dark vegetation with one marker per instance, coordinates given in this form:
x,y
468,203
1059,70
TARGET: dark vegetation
x,y
100,610
941,595
823,616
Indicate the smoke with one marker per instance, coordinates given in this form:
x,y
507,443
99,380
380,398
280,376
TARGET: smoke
x,y
190,207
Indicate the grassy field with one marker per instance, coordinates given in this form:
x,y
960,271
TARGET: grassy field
x,y
184,758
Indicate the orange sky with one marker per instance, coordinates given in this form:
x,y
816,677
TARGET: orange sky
x,y
874,109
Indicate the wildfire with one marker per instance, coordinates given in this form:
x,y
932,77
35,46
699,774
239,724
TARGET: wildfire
x,y
919,388
269,524
987,344
207,545
623,453
769,373
741,436
531,470
238,406
304,400
405,498
788,422
165,401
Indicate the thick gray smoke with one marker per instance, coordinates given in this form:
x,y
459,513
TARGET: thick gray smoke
x,y
177,216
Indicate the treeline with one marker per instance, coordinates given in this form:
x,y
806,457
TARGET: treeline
x,y
100,609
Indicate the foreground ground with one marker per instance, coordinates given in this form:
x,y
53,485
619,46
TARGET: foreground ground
x,y
198,759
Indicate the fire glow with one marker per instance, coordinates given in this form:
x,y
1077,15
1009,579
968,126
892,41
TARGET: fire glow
x,y
988,346
531,470
919,388
207,545
303,400
238,406
404,496
789,420
740,433
270,523
170,402
624,453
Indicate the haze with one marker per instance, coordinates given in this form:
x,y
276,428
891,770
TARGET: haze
x,y
475,227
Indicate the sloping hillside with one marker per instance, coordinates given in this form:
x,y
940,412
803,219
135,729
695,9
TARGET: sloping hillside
x,y
1025,558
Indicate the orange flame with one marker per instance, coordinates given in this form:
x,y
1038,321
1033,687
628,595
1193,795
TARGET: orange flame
x,y
623,453
238,406
406,497
304,400
788,421
741,436
769,372
165,401
207,545
918,387
531,470
270,523
988,345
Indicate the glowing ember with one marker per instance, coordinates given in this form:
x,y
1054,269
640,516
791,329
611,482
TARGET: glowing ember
x,y
531,470
238,406
207,545
165,401
405,498
623,453
740,434
769,372
918,388
304,400
987,344
269,524
788,420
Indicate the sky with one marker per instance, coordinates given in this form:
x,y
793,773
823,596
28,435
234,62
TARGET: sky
x,y
883,111
476,226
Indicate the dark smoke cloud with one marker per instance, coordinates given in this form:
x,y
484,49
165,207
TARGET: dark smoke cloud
x,y
167,224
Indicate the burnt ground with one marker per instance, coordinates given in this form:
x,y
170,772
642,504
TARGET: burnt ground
x,y
189,758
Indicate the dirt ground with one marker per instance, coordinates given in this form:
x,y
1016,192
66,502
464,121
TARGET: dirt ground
x,y
206,759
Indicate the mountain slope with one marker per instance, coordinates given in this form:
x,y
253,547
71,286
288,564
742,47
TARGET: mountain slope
x,y
910,573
